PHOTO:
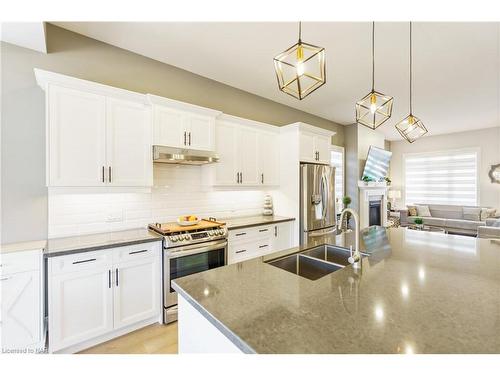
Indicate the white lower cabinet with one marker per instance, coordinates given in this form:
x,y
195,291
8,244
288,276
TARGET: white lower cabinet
x,y
248,243
92,297
21,318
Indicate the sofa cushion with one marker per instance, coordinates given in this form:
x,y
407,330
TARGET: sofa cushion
x,y
446,211
412,211
490,222
423,211
471,213
434,221
464,224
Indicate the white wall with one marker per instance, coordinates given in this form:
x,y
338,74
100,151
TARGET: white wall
x,y
178,190
488,140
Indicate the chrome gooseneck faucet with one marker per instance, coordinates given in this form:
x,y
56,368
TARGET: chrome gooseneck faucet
x,y
355,258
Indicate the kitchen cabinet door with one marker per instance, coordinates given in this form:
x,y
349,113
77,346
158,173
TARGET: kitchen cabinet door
x,y
80,306
241,250
137,293
200,132
282,236
227,168
268,154
247,152
129,157
322,146
76,137
307,148
169,127
21,312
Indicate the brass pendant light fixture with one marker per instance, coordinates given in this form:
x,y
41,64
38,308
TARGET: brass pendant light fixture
x,y
375,108
411,127
301,69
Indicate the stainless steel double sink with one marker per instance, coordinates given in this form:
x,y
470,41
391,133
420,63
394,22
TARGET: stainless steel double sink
x,y
316,262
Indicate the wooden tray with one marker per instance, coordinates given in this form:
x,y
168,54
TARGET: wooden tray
x,y
203,224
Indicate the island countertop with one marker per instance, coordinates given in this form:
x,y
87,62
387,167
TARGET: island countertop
x,y
418,292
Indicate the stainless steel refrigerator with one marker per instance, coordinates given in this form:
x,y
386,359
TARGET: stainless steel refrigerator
x,y
317,201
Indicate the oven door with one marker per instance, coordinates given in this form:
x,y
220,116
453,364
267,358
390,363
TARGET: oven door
x,y
187,260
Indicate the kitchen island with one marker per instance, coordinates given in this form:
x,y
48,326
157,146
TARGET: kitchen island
x,y
416,292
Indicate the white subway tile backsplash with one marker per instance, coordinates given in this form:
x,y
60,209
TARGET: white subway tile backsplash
x,y
178,190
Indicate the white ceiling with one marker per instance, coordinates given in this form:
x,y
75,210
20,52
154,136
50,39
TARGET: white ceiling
x,y
456,65
25,34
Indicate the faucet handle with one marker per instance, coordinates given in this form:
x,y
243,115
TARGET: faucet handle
x,y
350,250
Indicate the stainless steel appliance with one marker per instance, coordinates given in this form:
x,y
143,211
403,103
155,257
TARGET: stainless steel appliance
x,y
188,251
172,155
317,201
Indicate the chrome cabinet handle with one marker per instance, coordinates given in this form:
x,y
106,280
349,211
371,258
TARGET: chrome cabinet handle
x,y
240,234
137,252
103,173
241,177
262,178
262,246
237,177
189,135
85,261
263,230
116,277
184,138
109,171
275,231
109,279
240,251
5,278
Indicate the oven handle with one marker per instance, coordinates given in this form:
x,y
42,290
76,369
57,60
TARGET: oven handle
x,y
196,249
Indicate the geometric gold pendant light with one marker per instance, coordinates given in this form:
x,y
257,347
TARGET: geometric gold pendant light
x,y
301,69
375,108
411,127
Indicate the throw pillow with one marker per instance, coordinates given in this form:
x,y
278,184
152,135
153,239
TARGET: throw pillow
x,y
484,214
492,212
423,211
412,211
471,213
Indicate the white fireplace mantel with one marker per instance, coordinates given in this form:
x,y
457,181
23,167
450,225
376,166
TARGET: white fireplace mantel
x,y
368,192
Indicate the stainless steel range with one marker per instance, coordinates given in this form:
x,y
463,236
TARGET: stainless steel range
x,y
189,250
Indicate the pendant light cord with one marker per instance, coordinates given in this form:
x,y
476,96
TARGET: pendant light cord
x,y
411,70
300,31
373,56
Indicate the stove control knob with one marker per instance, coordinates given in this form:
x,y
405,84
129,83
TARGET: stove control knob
x,y
187,237
173,238
220,232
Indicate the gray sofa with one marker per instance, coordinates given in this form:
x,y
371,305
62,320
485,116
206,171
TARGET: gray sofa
x,y
490,230
448,217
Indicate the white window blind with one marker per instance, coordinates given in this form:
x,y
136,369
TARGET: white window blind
x,y
448,177
337,161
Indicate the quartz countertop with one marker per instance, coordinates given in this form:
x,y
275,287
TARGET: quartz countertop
x,y
99,241
252,221
23,246
417,292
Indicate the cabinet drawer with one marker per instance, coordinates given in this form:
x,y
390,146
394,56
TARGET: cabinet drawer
x,y
80,261
20,261
252,232
133,252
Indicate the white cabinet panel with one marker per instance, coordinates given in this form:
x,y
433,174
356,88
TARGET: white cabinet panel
x,y
80,307
227,167
282,236
322,146
76,137
136,291
129,155
307,151
268,154
20,310
169,127
247,150
200,132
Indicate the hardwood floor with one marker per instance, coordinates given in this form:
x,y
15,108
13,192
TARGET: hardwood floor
x,y
153,339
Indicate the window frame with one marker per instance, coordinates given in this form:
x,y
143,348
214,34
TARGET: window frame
x,y
341,150
477,150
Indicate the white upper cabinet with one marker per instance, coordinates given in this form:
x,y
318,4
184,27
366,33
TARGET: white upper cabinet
x,y
128,151
182,125
314,144
76,137
248,153
97,135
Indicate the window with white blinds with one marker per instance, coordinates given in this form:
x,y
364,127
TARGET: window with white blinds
x,y
448,177
337,161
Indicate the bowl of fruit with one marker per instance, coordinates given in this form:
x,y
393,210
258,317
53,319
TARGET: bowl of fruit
x,y
188,220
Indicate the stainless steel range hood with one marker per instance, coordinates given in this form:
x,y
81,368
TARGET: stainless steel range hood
x,y
172,155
